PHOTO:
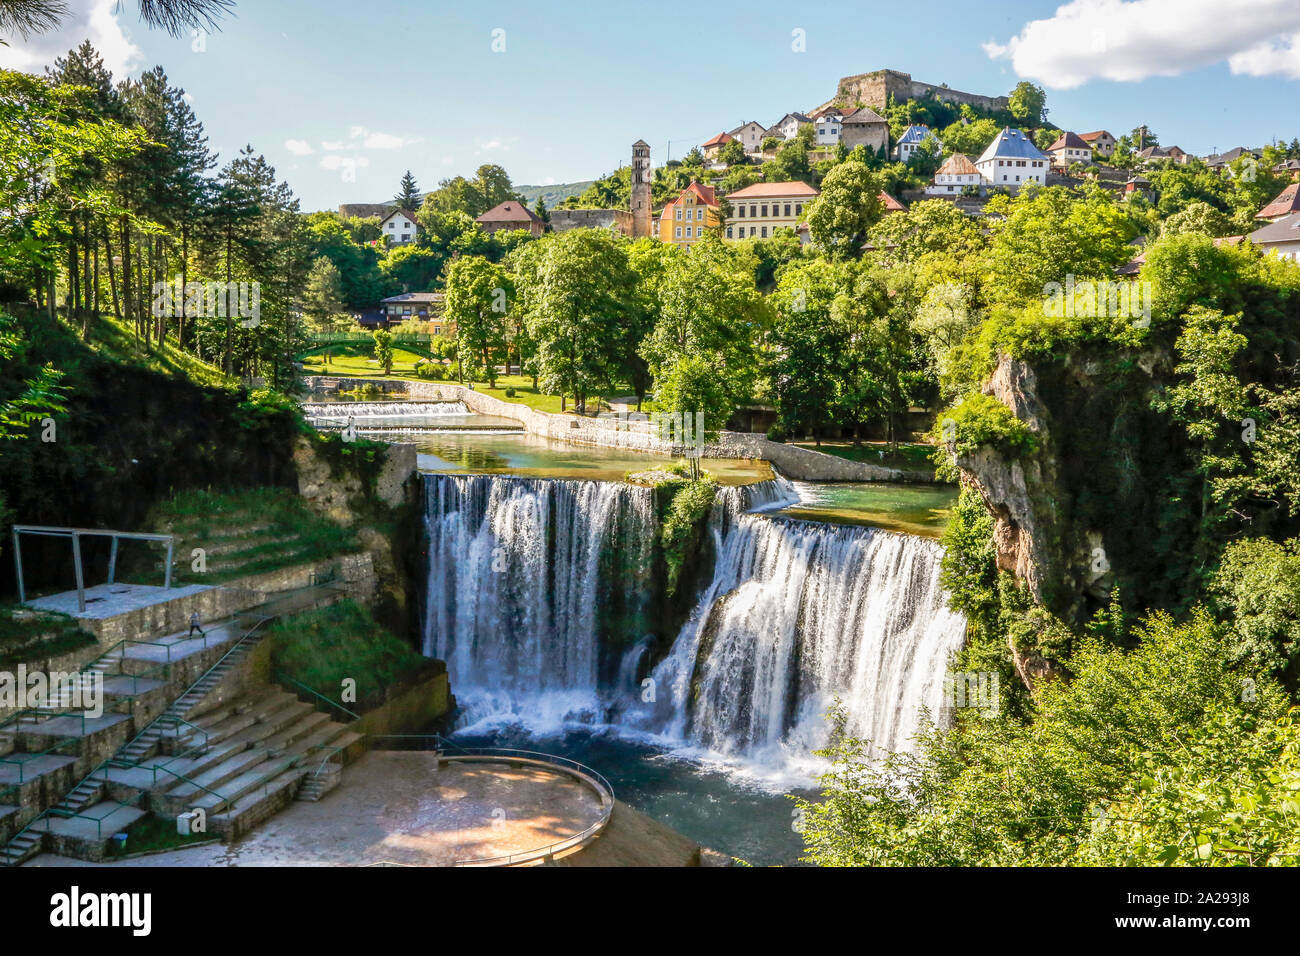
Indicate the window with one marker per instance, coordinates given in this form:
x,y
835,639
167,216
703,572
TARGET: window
x,y
764,208
392,225
752,230
798,209
753,212
406,236
679,232
787,209
688,232
679,212
728,232
765,232
742,211
699,212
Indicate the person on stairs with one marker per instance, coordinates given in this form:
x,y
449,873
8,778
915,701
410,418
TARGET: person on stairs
x,y
194,626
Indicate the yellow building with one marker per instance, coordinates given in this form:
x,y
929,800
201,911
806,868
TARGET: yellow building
x,y
758,210
683,221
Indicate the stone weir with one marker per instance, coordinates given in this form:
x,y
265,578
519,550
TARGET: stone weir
x,y
801,464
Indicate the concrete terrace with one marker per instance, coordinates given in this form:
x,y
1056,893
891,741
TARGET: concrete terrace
x,y
110,600
400,807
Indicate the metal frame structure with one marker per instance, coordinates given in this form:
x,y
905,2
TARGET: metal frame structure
x,y
76,534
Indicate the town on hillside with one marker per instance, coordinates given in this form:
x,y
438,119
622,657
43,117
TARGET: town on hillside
x,y
756,181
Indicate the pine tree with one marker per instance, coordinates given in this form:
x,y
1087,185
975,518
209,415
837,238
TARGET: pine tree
x,y
408,194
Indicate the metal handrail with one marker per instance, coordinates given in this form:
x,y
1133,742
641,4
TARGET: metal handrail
x,y
238,642
279,675
601,785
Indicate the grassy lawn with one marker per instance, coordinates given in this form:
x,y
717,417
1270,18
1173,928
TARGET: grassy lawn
x,y
908,457
525,394
358,361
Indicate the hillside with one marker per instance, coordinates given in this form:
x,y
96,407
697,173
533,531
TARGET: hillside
x,y
553,194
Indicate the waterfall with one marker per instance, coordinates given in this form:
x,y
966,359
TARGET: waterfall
x,y
536,587
797,615
539,590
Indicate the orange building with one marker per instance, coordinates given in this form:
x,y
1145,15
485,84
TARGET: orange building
x,y
683,221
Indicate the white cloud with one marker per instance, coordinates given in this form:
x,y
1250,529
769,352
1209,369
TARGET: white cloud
x,y
92,20
299,147
344,162
1130,40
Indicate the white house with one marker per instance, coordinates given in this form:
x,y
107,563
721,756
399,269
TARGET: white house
x,y
750,135
911,141
398,227
955,175
787,127
1281,238
1100,140
826,127
1068,149
1012,160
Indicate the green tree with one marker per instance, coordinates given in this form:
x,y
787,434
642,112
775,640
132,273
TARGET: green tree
x,y
478,294
840,218
384,350
1028,104
408,193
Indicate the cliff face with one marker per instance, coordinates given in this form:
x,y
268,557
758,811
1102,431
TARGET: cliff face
x,y
1076,517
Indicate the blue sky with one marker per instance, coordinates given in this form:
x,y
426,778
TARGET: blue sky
x,y
343,97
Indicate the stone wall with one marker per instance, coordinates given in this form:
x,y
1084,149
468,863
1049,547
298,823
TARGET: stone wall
x,y
874,90
562,220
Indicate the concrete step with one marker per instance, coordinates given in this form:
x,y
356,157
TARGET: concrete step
x,y
257,805
246,783
22,847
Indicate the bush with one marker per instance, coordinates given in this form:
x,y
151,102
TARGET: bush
x,y
776,433
980,420
510,393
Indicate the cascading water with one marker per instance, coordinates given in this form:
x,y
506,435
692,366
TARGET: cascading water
x,y
797,615
537,597
336,414
534,587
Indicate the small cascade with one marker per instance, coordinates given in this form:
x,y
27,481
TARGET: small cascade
x,y
329,414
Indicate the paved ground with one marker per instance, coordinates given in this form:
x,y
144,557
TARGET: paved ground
x,y
398,807
109,600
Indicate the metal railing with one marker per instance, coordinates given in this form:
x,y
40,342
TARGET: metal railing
x,y
593,778
281,676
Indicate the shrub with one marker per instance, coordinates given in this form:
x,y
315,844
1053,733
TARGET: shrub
x,y
980,420
510,393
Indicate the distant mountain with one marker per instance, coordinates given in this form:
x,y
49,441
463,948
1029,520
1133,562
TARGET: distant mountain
x,y
554,194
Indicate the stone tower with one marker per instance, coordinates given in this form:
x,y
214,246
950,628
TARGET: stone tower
x,y
640,189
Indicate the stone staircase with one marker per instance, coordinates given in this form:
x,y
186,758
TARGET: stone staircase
x,y
240,763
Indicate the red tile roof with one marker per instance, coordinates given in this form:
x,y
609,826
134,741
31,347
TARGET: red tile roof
x,y
1287,202
767,190
958,164
720,140
892,204
509,211
1071,140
